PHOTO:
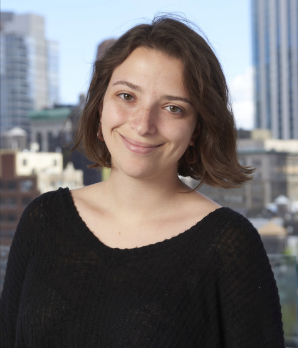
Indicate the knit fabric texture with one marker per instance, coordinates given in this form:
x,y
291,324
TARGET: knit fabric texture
x,y
210,286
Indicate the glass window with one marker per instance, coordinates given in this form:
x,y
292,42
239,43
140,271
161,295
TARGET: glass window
x,y
26,185
11,185
11,217
11,201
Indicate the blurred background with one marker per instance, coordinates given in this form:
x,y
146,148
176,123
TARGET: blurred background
x,y
47,52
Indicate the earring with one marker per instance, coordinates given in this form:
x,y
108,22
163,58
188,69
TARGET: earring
x,y
99,133
191,159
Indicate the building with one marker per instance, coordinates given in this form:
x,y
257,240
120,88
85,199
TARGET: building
x,y
275,60
15,138
49,127
53,72
24,176
29,69
48,168
276,163
52,129
16,192
50,180
274,235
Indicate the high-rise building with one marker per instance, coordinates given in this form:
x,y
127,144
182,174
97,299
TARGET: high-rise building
x,y
275,59
29,69
53,72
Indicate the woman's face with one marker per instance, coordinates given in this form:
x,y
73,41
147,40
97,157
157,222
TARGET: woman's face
x,y
147,118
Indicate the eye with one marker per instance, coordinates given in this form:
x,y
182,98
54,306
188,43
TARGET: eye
x,y
126,96
174,109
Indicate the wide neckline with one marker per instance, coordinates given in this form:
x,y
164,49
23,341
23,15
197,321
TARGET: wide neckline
x,y
81,228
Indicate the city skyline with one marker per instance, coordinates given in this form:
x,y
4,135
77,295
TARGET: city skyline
x,y
80,27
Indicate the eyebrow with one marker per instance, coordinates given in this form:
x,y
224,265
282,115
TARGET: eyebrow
x,y
171,97
129,84
139,89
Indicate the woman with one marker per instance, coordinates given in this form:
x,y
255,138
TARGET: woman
x,y
141,260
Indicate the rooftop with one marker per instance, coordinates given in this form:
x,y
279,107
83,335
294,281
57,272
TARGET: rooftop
x,y
14,132
56,113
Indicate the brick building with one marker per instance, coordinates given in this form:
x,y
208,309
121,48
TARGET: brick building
x,y
16,192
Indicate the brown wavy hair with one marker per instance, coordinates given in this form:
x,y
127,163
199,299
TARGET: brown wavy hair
x,y
217,163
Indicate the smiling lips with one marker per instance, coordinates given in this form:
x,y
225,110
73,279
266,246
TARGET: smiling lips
x,y
138,147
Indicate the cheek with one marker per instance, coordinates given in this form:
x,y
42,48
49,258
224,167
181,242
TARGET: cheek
x,y
181,133
112,116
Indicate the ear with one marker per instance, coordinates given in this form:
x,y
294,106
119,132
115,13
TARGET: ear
x,y
194,137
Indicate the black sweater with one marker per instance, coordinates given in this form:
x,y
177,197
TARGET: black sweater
x,y
210,286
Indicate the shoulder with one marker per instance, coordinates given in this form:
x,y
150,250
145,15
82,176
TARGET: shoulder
x,y
35,218
236,226
238,239
48,198
44,203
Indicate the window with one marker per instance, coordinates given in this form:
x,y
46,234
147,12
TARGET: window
x,y
12,218
26,200
11,185
11,201
5,233
26,185
2,201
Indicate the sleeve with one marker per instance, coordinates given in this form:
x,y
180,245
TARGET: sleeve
x,y
15,273
250,309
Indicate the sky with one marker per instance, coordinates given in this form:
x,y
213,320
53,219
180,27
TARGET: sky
x,y
79,26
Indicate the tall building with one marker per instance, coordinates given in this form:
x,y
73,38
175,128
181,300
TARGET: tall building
x,y
53,72
29,69
275,59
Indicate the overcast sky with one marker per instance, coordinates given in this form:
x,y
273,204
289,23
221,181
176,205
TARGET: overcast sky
x,y
79,26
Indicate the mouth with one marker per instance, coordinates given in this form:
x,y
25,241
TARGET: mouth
x,y
138,147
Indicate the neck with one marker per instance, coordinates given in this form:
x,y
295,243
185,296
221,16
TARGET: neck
x,y
152,196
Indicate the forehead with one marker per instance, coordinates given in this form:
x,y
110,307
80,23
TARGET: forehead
x,y
146,65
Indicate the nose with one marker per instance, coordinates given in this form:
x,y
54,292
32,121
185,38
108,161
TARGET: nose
x,y
143,120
